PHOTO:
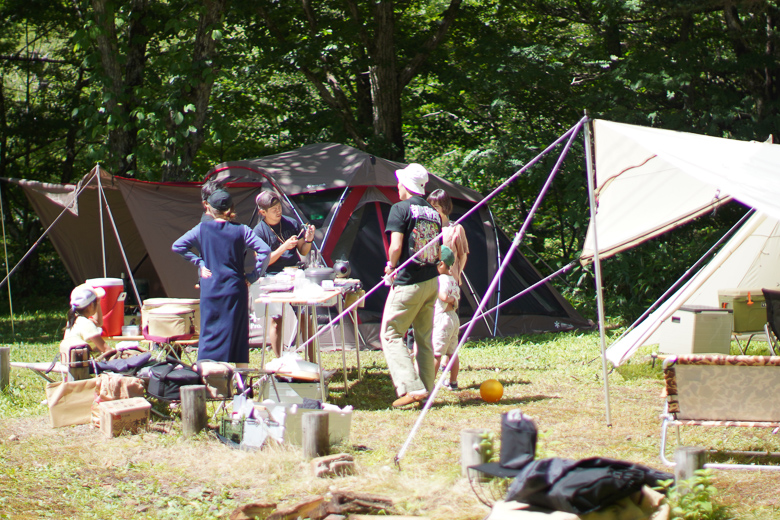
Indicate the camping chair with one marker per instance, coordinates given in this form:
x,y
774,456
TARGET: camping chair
x,y
716,390
772,326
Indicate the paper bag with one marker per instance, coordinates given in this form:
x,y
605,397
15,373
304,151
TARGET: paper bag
x,y
70,402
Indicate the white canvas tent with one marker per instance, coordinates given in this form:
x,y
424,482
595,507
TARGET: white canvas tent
x,y
650,180
749,260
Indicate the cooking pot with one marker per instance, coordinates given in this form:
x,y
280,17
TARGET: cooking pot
x,y
318,274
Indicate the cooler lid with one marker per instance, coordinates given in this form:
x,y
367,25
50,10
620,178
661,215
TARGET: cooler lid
x,y
703,308
739,292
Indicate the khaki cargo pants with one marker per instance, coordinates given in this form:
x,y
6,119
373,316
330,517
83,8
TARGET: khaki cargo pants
x,y
410,305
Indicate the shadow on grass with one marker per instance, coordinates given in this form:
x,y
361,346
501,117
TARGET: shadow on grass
x,y
376,392
476,400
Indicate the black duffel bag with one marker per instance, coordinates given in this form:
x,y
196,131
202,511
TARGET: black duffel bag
x,y
166,380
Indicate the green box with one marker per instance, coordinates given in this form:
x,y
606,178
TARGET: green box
x,y
749,308
232,429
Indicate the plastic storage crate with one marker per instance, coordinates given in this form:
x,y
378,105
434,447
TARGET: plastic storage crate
x,y
749,308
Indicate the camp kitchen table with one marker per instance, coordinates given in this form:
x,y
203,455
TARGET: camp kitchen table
x,y
328,298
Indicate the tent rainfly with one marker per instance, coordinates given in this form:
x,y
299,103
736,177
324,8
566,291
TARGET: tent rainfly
x,y
344,192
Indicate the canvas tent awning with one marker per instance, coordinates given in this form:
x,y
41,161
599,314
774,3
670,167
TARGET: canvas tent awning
x,y
650,180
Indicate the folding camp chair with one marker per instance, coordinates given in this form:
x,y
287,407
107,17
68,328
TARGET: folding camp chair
x,y
772,326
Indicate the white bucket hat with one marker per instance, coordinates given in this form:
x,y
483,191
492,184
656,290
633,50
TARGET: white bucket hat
x,y
413,177
83,295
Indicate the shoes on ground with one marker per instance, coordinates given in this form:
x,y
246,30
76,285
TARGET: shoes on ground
x,y
452,386
409,398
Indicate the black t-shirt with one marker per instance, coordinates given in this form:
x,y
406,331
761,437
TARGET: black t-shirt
x,y
274,236
420,224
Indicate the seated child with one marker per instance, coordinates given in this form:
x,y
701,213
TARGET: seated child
x,y
85,318
445,318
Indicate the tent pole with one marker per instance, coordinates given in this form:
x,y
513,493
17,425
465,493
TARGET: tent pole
x,y
527,290
5,255
568,135
597,264
100,209
335,214
119,243
476,298
498,256
491,289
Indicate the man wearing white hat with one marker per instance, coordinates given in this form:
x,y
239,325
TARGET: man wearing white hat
x,y
413,225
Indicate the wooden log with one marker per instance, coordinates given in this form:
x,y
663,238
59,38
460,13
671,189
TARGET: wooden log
x,y
471,453
687,460
5,367
314,433
193,409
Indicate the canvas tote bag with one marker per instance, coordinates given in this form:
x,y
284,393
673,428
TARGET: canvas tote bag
x,y
70,402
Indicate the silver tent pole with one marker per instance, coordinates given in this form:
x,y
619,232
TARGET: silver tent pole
x,y
100,208
597,263
5,256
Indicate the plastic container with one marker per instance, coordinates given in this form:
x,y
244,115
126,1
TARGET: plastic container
x,y
112,304
131,330
155,303
749,308
697,330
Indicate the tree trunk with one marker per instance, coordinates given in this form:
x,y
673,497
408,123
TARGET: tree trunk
x,y
181,154
122,78
385,92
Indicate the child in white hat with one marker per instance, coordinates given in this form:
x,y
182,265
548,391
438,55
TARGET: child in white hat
x,y
85,318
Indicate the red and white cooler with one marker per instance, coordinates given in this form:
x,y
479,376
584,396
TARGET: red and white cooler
x,y
112,304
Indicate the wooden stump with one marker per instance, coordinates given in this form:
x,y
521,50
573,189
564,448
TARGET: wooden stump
x,y
5,367
471,452
314,431
193,409
687,460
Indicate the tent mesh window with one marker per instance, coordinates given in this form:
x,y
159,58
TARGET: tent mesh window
x,y
317,206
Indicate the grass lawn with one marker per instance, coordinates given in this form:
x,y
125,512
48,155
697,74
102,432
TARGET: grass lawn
x,y
74,472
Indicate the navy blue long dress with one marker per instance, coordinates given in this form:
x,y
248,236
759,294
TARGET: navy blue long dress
x,y
224,297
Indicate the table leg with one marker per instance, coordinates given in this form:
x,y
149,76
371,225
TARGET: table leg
x,y
357,340
319,361
343,348
298,331
265,337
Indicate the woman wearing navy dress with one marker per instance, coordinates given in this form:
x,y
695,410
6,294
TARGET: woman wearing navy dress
x,y
224,296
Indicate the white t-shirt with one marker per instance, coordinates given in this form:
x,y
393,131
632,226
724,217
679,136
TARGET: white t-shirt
x,y
448,286
82,331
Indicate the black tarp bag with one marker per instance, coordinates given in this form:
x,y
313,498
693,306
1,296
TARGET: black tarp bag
x,y
580,486
166,380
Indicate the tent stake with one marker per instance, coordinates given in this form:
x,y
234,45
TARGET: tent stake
x,y
597,265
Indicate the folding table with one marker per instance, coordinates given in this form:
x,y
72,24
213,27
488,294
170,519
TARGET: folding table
x,y
328,298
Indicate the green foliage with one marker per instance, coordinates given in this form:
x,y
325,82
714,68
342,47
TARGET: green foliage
x,y
694,498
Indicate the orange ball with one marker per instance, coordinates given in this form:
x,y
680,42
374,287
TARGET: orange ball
x,y
491,391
